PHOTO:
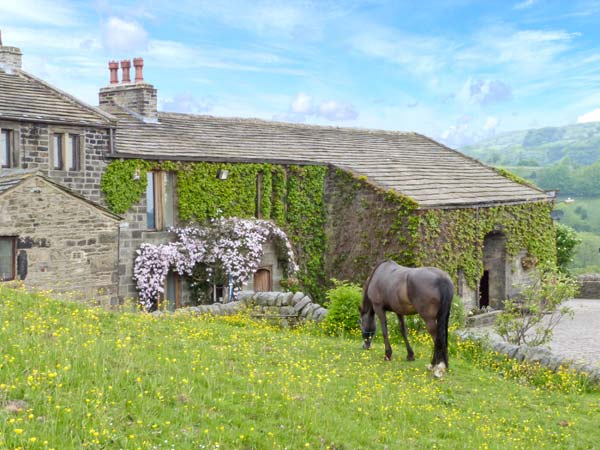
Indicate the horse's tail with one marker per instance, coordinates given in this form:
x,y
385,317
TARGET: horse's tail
x,y
440,351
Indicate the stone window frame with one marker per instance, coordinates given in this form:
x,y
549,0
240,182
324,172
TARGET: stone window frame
x,y
65,164
13,274
14,141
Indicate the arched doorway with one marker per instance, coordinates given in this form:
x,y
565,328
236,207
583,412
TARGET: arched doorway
x,y
262,280
492,286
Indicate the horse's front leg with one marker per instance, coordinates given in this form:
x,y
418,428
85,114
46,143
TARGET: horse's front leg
x,y
410,355
384,331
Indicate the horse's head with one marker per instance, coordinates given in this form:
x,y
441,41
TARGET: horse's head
x,y
368,326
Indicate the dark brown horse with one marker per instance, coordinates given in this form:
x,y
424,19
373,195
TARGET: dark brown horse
x,y
426,291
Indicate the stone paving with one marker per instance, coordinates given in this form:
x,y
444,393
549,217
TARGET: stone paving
x,y
579,338
576,339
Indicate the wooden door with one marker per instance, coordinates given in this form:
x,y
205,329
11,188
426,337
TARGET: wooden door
x,y
262,280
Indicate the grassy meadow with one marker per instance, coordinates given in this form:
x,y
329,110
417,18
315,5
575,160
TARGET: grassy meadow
x,y
76,377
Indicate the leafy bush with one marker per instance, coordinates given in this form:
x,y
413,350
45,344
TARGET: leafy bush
x,y
531,318
566,241
343,302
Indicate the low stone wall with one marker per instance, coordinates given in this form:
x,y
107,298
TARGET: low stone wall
x,y
533,354
590,286
285,306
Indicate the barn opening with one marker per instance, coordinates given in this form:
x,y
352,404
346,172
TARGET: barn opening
x,y
492,286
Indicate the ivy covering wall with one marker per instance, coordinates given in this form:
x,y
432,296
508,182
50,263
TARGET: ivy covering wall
x,y
367,225
339,223
453,239
291,196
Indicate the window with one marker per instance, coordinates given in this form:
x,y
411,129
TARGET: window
x,y
57,141
6,148
73,152
66,151
8,247
160,201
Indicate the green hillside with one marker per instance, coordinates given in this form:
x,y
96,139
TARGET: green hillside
x,y
541,146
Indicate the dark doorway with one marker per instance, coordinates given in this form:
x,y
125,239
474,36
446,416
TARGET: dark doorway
x,y
492,286
484,289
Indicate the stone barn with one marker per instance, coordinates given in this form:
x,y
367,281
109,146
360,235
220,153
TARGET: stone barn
x,y
53,239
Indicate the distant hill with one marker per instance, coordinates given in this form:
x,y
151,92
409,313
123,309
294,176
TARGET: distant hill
x,y
541,146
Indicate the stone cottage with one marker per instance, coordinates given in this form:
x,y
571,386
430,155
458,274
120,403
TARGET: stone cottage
x,y
52,238
346,197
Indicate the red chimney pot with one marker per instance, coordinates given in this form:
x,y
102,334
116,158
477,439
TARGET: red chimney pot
x,y
113,66
138,63
125,66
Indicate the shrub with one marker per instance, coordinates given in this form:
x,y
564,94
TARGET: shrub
x,y
566,241
343,302
531,319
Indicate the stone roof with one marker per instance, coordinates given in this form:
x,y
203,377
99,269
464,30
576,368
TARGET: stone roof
x,y
25,97
434,175
9,178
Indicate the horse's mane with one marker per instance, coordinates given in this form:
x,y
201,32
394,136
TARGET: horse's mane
x,y
366,303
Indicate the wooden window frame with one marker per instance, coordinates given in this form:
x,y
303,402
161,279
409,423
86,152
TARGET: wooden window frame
x,y
160,186
13,240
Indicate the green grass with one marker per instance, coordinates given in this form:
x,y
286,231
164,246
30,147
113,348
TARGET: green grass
x,y
97,379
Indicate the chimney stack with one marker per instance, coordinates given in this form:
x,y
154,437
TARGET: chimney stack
x,y
138,97
113,66
10,56
138,63
125,66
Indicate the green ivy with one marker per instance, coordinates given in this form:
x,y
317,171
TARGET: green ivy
x,y
453,239
347,233
305,217
123,183
292,197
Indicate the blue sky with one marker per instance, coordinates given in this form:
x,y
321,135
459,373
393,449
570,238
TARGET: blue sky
x,y
457,71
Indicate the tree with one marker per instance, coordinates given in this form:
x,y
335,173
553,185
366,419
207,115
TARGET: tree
x,y
531,318
566,242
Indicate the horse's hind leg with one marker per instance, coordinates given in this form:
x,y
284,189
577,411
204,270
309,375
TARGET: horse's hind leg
x,y
410,354
384,331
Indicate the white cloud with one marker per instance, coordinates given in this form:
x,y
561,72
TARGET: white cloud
x,y
185,103
591,116
337,111
491,123
484,92
304,106
524,4
123,36
48,12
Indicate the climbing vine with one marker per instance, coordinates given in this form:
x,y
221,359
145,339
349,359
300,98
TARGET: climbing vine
x,y
339,223
292,197
453,239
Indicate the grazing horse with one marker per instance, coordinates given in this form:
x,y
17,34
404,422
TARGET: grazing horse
x,y
427,291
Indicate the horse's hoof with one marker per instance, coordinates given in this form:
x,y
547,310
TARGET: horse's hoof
x,y
410,358
387,358
439,370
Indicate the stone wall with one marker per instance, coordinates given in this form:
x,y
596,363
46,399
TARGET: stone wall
x,y
34,151
286,307
539,355
66,243
590,286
